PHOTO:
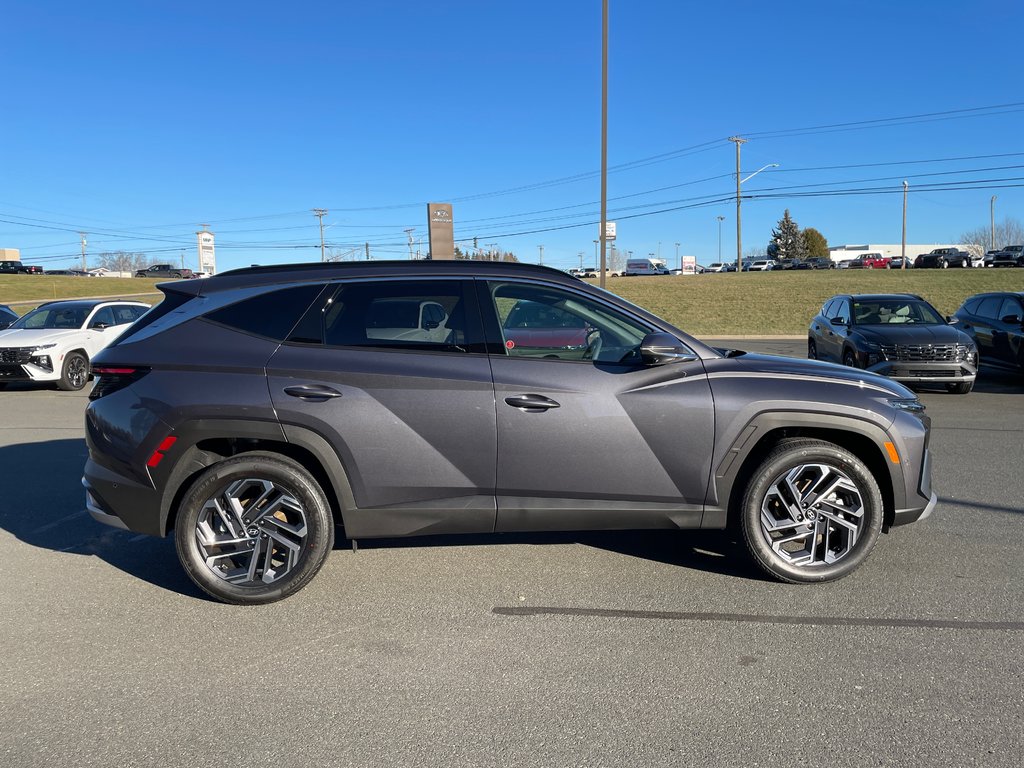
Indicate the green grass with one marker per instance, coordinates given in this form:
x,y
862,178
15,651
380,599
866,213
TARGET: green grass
x,y
783,303
751,303
40,288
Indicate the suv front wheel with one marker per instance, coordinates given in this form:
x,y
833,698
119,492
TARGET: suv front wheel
x,y
254,529
811,512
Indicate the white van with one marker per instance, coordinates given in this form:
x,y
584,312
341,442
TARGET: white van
x,y
645,267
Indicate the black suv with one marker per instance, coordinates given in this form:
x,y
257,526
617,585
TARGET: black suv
x,y
17,268
168,271
254,411
995,321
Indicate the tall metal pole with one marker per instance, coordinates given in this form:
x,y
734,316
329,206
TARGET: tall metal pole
x,y
604,137
540,261
720,220
992,215
320,213
903,251
84,268
739,228
679,261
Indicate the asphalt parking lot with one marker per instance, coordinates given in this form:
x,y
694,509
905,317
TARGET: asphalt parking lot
x,y
636,649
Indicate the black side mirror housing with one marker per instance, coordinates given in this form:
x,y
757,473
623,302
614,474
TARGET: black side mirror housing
x,y
663,348
838,321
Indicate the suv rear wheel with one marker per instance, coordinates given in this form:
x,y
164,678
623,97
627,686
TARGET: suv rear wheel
x,y
254,529
811,512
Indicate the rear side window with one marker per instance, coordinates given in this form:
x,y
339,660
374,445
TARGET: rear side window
x,y
271,315
426,315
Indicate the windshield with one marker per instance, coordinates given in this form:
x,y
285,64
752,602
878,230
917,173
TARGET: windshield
x,y
890,311
53,317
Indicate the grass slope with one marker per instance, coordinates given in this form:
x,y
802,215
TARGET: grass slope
x,y
751,303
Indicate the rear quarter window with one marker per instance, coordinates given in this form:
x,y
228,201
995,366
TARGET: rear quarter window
x,y
271,315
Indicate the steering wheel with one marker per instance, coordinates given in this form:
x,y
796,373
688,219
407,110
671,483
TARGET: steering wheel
x,y
594,344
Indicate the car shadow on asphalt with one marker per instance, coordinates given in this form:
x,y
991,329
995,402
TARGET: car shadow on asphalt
x,y
43,505
719,552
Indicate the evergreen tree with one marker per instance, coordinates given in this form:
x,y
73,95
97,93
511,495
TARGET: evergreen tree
x,y
787,240
817,245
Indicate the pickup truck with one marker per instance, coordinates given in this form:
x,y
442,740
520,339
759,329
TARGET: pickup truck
x,y
942,258
165,270
17,268
1010,256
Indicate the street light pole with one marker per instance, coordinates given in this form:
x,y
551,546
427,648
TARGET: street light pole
x,y
720,220
679,262
992,215
604,137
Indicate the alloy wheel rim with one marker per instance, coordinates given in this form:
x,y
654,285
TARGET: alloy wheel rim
x,y
252,532
76,372
812,515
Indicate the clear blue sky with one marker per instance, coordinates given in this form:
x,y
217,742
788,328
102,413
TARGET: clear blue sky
x,y
135,122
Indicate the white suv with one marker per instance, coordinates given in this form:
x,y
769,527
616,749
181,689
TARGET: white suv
x,y
56,341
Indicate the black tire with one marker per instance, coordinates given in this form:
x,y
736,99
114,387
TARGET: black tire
x,y
849,359
74,373
960,387
965,264
762,502
812,350
944,264
301,506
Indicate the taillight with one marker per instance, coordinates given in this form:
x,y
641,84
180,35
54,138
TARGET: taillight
x,y
110,378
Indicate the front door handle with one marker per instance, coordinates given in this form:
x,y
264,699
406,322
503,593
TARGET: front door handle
x,y
531,402
314,393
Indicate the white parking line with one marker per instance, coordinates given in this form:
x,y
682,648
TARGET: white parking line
x,y
55,523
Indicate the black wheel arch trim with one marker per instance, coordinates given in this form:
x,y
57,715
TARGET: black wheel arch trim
x,y
765,429
193,453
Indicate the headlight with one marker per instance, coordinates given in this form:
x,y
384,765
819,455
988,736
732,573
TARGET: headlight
x,y
911,404
42,347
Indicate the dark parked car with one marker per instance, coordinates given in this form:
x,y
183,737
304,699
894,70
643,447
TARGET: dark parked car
x,y
941,258
1010,256
901,336
821,262
168,271
994,321
7,316
10,267
252,412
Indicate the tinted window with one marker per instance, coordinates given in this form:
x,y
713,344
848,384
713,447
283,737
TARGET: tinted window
x,y
842,309
104,317
543,322
54,317
828,311
1010,306
430,315
271,315
989,307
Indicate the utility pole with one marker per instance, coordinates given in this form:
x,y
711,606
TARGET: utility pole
x,y
992,215
903,252
679,262
320,213
367,251
739,229
720,220
541,249
581,260
182,258
84,268
604,139
408,233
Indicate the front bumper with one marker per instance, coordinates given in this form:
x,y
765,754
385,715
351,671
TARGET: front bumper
x,y
926,372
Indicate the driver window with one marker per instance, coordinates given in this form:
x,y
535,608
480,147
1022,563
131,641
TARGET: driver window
x,y
549,323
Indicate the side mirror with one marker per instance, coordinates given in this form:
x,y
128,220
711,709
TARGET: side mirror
x,y
1011,320
663,348
99,326
838,321
951,320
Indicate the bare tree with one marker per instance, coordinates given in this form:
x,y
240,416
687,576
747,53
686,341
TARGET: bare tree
x,y
123,261
754,253
1009,231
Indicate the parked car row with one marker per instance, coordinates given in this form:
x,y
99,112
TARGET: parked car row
x,y
904,337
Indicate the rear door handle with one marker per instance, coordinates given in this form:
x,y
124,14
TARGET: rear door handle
x,y
531,402
315,393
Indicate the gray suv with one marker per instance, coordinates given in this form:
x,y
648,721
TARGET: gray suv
x,y
253,412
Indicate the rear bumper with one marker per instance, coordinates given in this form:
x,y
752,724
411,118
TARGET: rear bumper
x,y
138,506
